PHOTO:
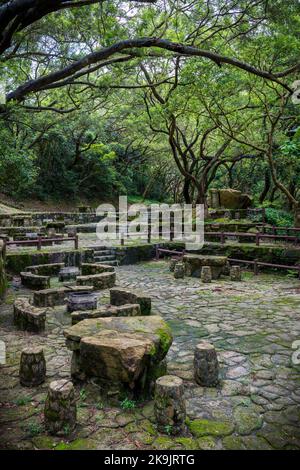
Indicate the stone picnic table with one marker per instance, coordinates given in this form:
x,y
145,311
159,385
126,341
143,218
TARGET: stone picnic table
x,y
123,353
195,262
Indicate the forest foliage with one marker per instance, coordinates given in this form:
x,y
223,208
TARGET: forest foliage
x,y
161,99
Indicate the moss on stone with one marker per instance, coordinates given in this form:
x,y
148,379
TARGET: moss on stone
x,y
233,443
163,443
205,427
206,443
44,442
78,444
187,443
247,420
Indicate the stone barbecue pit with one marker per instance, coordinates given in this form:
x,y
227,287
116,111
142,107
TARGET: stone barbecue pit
x,y
68,273
81,301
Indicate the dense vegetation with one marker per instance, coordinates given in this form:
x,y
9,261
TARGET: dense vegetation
x,y
159,99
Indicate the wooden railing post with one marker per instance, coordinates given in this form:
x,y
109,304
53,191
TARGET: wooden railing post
x,y
255,267
222,238
257,236
39,243
76,242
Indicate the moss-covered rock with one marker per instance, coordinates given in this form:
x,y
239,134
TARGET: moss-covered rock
x,y
205,427
247,420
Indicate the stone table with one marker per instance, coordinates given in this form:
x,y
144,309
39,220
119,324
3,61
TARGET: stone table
x,y
194,263
123,353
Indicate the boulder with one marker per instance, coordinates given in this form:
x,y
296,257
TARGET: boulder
x,y
233,199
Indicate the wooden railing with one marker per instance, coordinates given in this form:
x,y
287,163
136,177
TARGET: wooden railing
x,y
256,236
40,241
255,263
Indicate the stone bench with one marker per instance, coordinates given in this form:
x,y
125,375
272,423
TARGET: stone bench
x,y
99,281
56,296
34,281
127,310
122,353
27,317
88,269
45,269
194,263
119,296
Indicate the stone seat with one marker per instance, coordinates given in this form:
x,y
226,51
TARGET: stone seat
x,y
27,317
93,268
34,281
101,281
120,296
45,269
194,263
56,296
122,352
127,310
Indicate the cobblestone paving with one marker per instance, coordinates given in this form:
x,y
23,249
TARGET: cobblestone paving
x,y
252,324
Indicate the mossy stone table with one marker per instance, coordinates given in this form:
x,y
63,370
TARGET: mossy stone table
x,y
195,262
122,353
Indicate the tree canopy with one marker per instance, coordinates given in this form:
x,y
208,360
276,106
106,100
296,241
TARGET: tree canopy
x,y
162,99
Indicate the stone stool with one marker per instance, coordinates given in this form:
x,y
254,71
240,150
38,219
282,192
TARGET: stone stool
x,y
169,404
179,271
206,365
206,274
172,264
235,273
60,408
32,367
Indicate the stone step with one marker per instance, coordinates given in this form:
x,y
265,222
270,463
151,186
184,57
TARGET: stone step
x,y
111,263
102,252
98,247
104,258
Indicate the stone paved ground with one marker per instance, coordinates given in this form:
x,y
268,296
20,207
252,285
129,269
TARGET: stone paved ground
x,y
252,324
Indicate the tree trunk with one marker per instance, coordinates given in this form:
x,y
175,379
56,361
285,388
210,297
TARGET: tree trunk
x,y
186,191
267,187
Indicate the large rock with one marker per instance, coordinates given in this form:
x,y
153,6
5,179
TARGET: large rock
x,y
194,263
120,296
233,199
123,353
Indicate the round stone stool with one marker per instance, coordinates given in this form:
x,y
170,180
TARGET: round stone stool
x,y
32,367
172,264
60,408
235,273
206,274
169,404
206,365
179,270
